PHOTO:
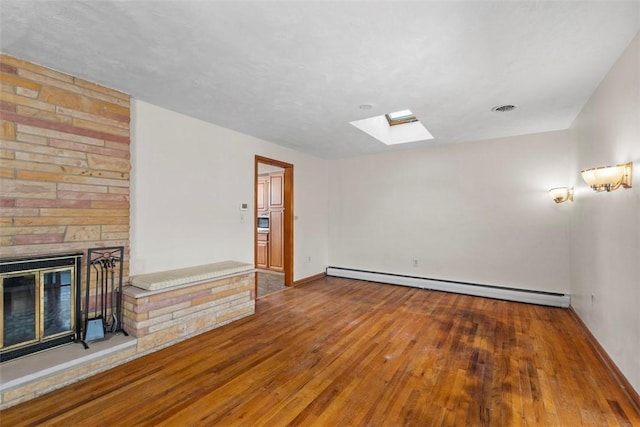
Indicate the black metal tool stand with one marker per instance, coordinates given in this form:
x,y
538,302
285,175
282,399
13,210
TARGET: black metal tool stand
x,y
106,265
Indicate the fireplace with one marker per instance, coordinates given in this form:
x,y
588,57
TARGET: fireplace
x,y
40,303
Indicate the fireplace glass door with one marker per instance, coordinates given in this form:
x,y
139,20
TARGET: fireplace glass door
x,y
38,306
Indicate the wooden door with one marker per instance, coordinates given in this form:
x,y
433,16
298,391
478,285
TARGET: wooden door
x,y
276,240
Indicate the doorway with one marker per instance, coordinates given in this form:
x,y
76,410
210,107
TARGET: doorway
x,y
273,202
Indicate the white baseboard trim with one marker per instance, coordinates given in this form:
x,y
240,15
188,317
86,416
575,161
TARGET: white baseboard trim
x,y
488,291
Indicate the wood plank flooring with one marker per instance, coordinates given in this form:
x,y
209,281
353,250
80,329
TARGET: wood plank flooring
x,y
340,352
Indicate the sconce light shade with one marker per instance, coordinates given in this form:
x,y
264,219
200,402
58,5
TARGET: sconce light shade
x,y
608,178
561,194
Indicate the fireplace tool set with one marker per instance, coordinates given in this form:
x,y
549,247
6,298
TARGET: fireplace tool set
x,y
103,296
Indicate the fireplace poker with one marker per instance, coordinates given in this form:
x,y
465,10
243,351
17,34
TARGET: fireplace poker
x,y
101,284
95,293
104,263
94,328
114,325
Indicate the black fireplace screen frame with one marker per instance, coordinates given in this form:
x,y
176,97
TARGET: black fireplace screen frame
x,y
9,266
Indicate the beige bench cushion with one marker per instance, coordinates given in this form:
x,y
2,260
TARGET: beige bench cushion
x,y
182,276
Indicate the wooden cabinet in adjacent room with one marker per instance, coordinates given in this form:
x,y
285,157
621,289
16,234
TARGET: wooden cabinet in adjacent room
x,y
270,195
263,193
262,259
276,241
276,191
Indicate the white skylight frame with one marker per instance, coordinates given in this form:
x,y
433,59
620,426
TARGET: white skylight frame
x,y
381,128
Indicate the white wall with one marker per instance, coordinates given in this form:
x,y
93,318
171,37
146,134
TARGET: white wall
x,y
605,235
188,180
476,212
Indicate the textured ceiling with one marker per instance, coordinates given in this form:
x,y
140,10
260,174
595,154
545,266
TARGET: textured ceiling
x,y
295,73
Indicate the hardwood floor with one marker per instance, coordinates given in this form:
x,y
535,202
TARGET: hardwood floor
x,y
339,352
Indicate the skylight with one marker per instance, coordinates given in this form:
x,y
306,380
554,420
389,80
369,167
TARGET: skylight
x,y
386,128
400,117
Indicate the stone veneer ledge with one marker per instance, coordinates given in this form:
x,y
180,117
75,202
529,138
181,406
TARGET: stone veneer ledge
x,y
163,317
189,275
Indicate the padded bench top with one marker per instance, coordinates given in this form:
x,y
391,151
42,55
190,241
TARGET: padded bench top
x,y
182,276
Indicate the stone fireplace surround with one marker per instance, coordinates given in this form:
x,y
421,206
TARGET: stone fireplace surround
x,y
64,187
64,175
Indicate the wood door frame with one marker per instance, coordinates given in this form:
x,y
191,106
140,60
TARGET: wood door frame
x,y
288,214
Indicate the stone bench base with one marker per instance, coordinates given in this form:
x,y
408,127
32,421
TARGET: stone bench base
x,y
161,317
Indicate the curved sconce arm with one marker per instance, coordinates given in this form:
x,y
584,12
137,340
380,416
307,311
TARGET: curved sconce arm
x,y
561,194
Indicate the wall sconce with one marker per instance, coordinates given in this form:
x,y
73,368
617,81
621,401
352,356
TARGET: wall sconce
x,y
608,178
561,194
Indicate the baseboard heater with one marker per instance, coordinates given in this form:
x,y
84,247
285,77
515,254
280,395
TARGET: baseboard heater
x,y
488,291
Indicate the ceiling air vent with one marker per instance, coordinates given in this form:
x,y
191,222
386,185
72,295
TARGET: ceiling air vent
x,y
503,108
